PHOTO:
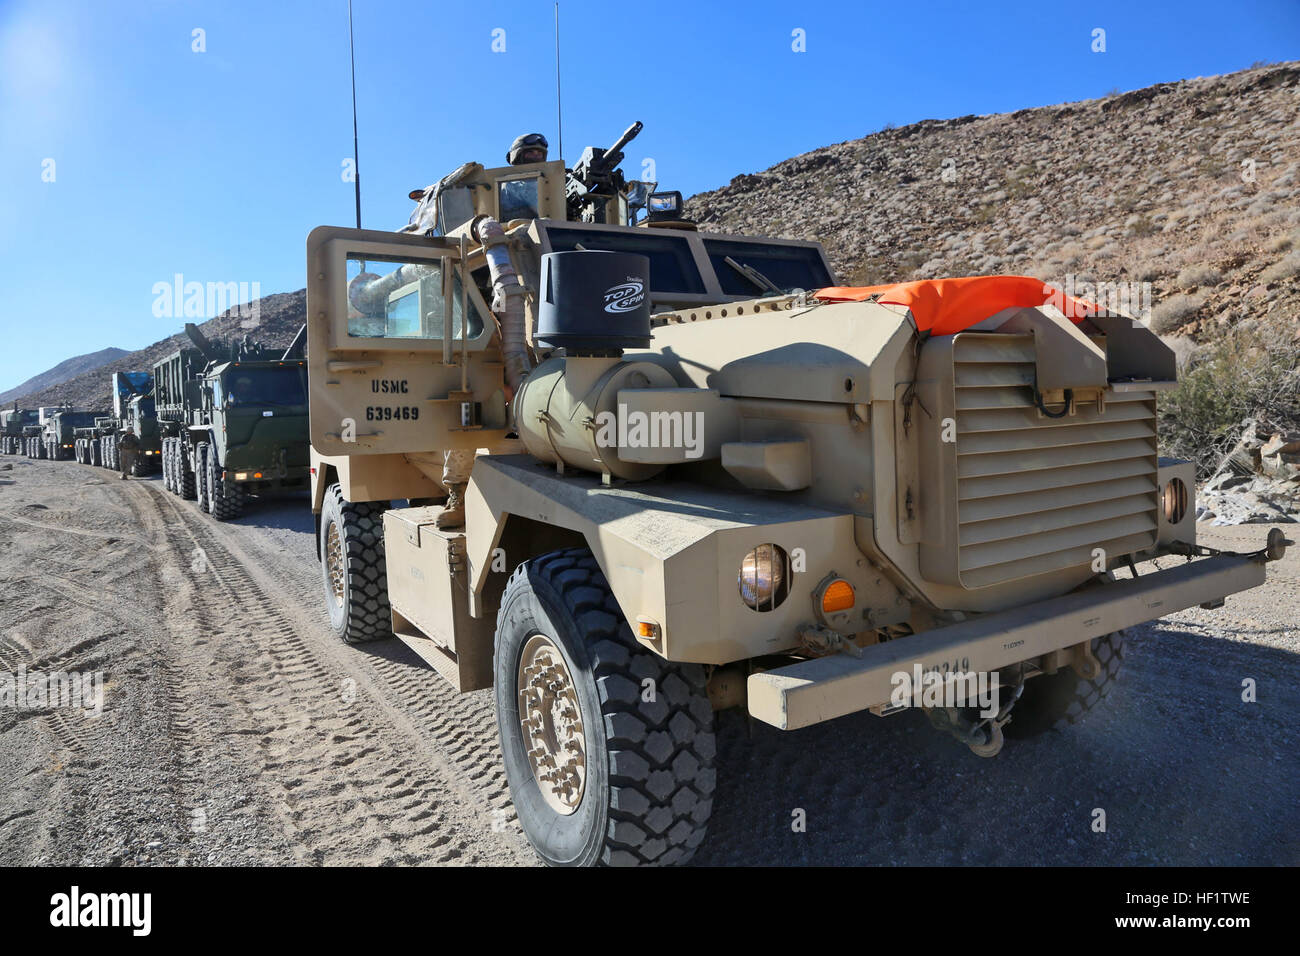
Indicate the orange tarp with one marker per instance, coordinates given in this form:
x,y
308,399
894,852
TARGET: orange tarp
x,y
947,306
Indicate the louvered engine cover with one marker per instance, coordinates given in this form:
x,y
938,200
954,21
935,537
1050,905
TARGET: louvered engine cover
x,y
1009,492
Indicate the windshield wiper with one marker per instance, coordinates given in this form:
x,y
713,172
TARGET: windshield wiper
x,y
754,276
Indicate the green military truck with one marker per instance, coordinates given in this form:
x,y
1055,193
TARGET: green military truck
x,y
133,407
232,421
12,423
58,431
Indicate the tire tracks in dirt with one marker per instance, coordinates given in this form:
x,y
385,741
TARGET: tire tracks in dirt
x,y
340,734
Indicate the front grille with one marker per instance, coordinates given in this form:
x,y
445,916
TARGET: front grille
x,y
1036,494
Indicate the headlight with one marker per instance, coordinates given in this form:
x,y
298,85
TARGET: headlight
x,y
1173,500
764,577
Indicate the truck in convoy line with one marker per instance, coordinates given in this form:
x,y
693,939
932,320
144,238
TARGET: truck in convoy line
x,y
233,421
58,432
12,422
133,407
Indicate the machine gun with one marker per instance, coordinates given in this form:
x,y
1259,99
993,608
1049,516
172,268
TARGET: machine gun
x,y
237,350
595,179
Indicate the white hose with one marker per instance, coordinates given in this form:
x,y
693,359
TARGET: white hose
x,y
507,299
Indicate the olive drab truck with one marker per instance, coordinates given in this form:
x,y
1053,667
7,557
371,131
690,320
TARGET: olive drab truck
x,y
233,422
12,422
96,442
709,478
59,432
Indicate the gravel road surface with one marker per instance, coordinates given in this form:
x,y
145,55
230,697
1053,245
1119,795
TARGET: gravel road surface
x,y
236,730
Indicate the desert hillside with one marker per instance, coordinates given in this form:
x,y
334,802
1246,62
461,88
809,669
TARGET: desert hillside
x,y
1191,186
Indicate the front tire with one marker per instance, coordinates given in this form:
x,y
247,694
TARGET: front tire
x,y
1057,701
225,497
353,568
645,766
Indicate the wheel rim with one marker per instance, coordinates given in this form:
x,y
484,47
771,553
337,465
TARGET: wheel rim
x,y
334,564
551,721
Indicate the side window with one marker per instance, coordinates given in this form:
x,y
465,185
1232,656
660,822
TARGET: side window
x,y
402,300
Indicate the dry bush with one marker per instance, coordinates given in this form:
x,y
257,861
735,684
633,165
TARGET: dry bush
x,y
1195,276
1246,374
1174,311
1284,268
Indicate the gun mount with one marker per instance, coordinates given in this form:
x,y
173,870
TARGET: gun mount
x,y
596,179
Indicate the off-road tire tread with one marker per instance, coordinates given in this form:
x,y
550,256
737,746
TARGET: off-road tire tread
x,y
662,777
362,528
225,498
1071,707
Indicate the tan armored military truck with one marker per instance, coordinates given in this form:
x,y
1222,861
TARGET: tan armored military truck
x,y
708,478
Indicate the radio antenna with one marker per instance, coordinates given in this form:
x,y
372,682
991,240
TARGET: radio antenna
x,y
559,111
356,160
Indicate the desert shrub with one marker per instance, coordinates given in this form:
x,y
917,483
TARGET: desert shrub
x,y
1198,276
1246,374
1284,268
1174,311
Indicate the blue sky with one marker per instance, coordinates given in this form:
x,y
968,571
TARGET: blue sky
x,y
217,164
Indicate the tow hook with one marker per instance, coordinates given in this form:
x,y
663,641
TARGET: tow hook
x,y
818,641
983,736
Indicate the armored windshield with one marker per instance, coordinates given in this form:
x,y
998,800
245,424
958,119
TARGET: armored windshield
x,y
244,385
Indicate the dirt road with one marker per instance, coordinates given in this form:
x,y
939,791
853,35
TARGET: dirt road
x,y
235,730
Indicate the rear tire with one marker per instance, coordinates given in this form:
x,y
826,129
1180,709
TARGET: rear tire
x,y
167,463
647,766
186,476
353,568
201,475
1056,701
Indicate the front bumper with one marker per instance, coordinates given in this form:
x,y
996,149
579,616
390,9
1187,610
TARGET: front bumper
x,y
823,688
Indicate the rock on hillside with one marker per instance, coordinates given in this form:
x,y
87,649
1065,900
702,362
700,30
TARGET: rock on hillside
x,y
279,317
1191,186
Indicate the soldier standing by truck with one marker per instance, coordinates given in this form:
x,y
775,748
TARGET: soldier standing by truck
x,y
127,447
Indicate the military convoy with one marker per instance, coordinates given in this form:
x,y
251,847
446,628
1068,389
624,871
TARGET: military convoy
x,y
12,422
709,478
233,422
222,421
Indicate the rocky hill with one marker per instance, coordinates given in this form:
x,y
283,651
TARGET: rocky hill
x,y
279,317
1193,187
65,370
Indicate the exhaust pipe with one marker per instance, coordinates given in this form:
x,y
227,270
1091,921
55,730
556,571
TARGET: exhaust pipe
x,y
507,298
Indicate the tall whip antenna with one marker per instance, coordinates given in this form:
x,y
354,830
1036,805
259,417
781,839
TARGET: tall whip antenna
x,y
559,112
356,161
